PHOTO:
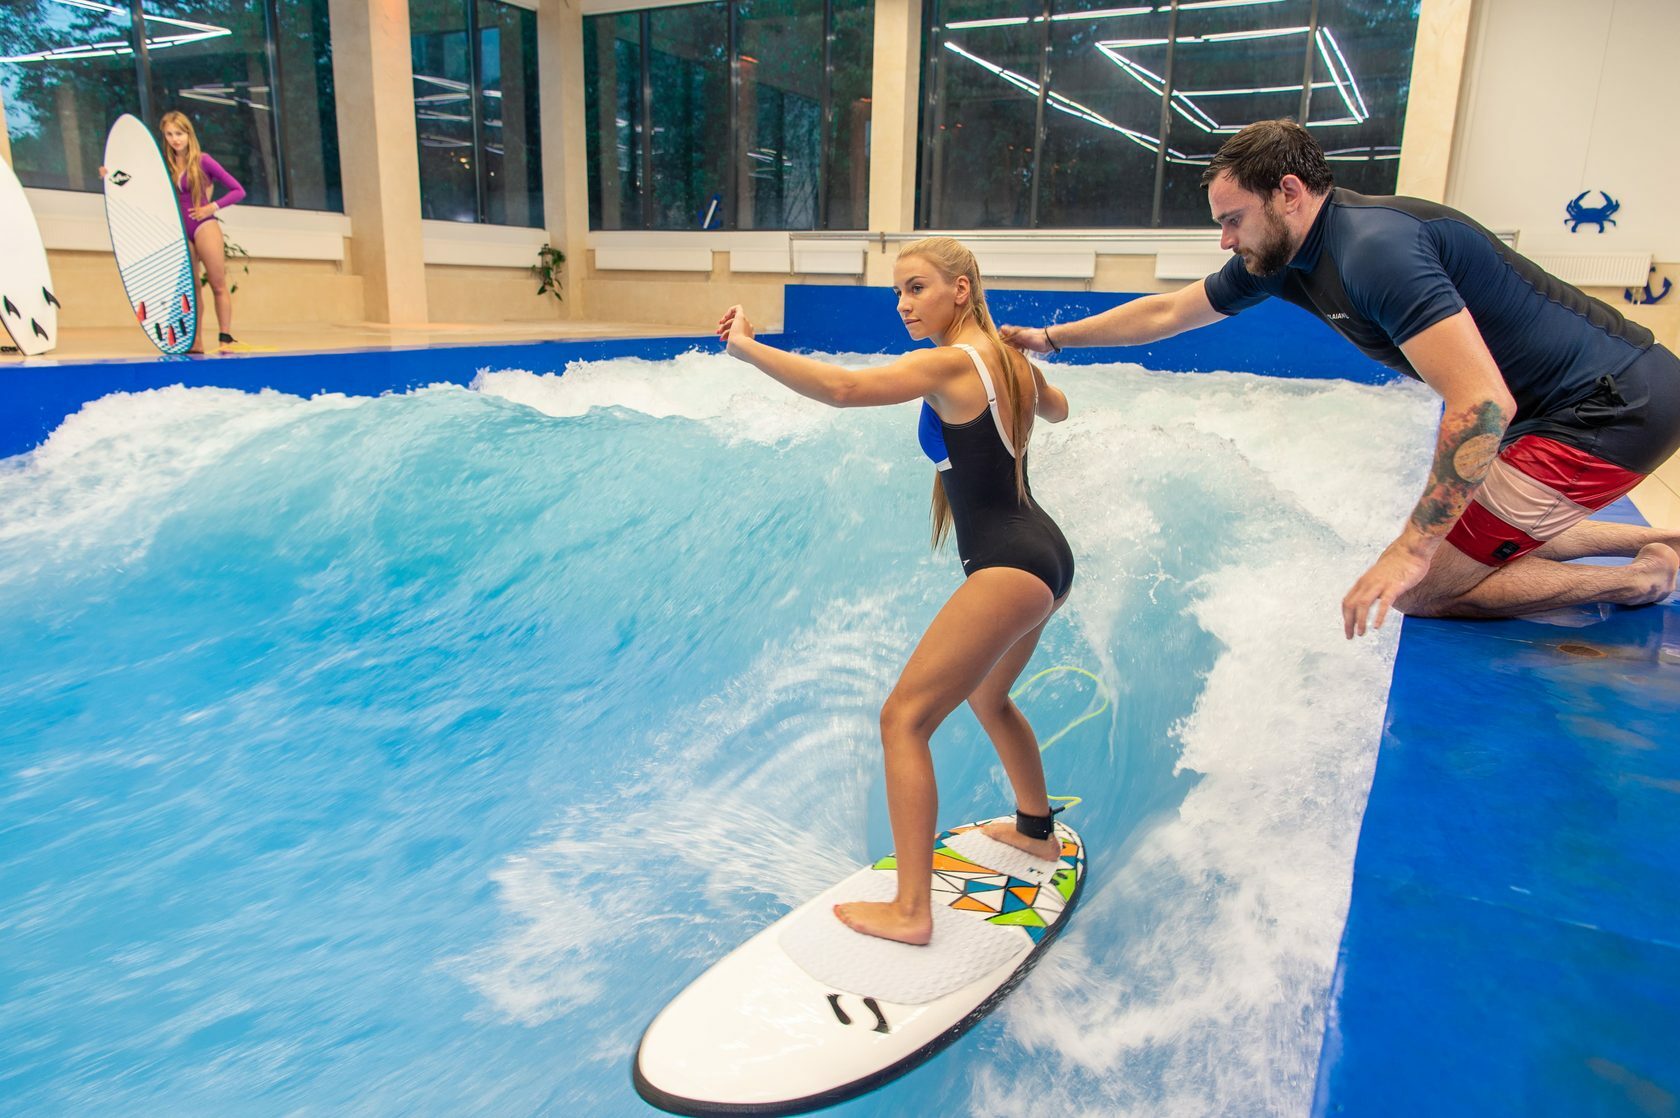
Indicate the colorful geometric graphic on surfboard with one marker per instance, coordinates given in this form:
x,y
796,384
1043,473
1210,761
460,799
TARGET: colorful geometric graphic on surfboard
x,y
148,237
1007,900
27,304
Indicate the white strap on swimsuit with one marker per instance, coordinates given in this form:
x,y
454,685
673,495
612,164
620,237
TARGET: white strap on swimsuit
x,y
991,394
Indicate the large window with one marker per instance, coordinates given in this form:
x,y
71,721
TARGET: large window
x,y
739,114
475,111
1086,113
261,100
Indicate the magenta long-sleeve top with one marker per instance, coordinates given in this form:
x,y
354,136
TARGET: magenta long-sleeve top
x,y
231,192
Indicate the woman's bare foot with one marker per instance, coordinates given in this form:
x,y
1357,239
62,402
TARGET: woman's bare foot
x,y
1652,574
884,920
1047,849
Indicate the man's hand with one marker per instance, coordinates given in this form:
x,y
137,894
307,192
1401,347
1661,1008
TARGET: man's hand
x,y
1028,339
1400,567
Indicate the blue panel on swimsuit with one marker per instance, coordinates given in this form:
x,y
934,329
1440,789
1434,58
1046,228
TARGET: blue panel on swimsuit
x,y
931,434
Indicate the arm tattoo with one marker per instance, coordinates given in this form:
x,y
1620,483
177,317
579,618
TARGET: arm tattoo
x,y
1464,451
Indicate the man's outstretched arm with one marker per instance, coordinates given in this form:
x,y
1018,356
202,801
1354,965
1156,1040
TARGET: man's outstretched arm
x,y
1452,359
1138,322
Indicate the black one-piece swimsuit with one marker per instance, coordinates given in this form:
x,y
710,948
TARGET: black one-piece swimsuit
x,y
995,528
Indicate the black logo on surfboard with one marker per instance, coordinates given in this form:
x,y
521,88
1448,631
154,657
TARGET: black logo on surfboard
x,y
870,1004
119,178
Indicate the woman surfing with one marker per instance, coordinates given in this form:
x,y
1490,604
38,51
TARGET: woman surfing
x,y
979,398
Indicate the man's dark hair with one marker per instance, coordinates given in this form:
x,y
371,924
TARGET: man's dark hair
x,y
1260,155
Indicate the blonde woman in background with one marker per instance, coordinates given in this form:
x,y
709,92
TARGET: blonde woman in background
x,y
979,398
197,176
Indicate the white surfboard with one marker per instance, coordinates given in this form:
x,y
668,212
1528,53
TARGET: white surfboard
x,y
148,237
27,303
809,1013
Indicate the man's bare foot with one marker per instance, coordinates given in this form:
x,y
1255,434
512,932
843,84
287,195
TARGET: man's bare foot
x,y
1652,575
1046,849
884,920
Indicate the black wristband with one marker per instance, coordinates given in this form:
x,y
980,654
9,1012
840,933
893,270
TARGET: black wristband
x,y
1051,342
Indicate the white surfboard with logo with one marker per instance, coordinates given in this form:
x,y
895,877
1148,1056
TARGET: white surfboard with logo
x,y
28,306
809,1013
148,237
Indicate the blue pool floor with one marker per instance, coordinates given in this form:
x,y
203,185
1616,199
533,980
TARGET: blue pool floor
x,y
1513,943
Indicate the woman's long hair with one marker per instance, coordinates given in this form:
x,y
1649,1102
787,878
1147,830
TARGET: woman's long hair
x,y
952,259
189,165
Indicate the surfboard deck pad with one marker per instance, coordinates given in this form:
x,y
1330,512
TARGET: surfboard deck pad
x,y
809,1013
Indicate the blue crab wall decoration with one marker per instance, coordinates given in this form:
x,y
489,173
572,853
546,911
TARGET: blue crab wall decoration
x,y
1580,215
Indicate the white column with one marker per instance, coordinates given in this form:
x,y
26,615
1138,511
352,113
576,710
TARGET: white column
x,y
564,159
373,74
1443,33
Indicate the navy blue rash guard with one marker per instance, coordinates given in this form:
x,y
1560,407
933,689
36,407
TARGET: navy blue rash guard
x,y
1381,270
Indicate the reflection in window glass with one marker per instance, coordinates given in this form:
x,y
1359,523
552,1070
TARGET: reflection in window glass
x,y
780,110
707,116
1231,66
58,109
1098,167
612,73
217,74
261,101
845,172
1362,65
443,116
688,72
979,119
511,120
308,112
1085,83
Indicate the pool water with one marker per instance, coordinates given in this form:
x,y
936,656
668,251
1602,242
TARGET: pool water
x,y
406,754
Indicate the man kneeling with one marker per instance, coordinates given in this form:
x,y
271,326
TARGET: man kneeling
x,y
1555,405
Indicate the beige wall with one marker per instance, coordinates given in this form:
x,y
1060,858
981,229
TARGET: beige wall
x,y
691,299
487,295
272,293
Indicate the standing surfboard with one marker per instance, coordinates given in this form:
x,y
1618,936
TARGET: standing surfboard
x,y
27,304
809,1013
148,237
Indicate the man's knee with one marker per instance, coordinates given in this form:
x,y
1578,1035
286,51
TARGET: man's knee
x,y
1451,575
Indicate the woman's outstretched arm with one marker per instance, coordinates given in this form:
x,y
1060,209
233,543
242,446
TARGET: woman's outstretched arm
x,y
911,377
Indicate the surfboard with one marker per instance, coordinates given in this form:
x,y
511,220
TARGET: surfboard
x,y
809,1013
27,304
148,237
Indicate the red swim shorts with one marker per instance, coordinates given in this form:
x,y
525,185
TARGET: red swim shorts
x,y
1537,489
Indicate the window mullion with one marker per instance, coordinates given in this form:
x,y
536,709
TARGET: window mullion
x,y
142,62
271,28
646,183
1038,113
827,124
1307,65
738,144
1166,117
475,98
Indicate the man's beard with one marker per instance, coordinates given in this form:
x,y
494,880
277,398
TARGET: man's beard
x,y
1273,256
